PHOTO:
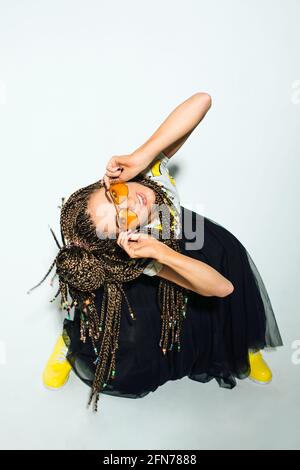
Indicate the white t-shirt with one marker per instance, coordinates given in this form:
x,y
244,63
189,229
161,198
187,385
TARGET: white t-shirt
x,y
158,171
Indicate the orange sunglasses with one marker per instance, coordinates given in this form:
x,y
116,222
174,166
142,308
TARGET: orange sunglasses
x,y
119,193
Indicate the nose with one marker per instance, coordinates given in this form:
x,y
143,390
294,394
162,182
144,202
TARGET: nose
x,y
129,203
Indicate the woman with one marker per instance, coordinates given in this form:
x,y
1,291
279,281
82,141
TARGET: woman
x,y
196,310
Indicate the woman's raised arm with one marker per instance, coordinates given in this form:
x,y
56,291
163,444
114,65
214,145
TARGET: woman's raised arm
x,y
176,128
168,138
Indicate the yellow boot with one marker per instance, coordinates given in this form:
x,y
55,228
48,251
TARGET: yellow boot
x,y
260,371
57,370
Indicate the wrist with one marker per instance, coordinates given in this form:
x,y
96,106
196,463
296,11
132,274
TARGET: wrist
x,y
146,153
163,253
141,158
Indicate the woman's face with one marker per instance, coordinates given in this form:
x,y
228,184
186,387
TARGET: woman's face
x,y
103,211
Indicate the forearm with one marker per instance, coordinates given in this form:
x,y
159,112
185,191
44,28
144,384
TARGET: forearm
x,y
198,276
181,121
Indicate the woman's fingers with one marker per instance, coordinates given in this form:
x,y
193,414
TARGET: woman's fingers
x,y
106,181
123,241
136,244
134,236
113,164
113,173
121,238
112,167
126,246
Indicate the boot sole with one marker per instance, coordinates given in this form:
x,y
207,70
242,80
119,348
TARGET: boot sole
x,y
259,382
54,389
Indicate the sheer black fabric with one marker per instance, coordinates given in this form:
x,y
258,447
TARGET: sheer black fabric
x,y
217,333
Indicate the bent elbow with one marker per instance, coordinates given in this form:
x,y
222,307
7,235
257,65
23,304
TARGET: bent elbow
x,y
226,290
208,100
204,98
222,290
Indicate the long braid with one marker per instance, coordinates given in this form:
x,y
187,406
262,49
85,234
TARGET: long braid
x,y
85,262
171,297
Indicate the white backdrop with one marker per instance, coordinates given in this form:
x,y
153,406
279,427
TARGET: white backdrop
x,y
81,81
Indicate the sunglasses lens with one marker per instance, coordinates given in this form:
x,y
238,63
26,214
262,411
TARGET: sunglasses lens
x,y
126,217
119,192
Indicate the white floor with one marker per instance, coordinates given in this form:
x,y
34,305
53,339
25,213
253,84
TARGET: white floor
x,y
182,414
72,94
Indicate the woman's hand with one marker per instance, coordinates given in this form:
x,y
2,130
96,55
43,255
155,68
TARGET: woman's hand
x,y
122,168
139,245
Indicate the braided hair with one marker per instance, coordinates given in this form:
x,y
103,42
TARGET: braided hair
x,y
85,263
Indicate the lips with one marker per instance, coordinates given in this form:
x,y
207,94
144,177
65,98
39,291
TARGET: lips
x,y
142,199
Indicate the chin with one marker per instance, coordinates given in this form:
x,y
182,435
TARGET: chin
x,y
142,220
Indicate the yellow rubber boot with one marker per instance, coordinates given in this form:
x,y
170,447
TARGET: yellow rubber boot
x,y
260,371
57,370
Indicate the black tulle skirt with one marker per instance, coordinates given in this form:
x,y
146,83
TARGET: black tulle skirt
x,y
216,336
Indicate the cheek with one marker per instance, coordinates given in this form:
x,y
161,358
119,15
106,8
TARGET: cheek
x,y
107,228
151,201
150,194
